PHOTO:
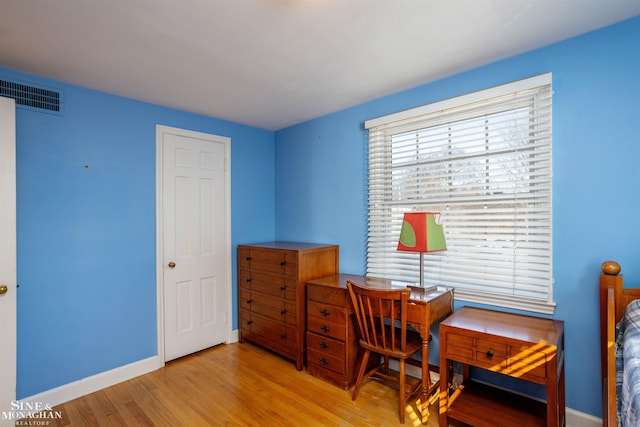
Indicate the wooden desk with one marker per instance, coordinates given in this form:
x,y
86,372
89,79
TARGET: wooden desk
x,y
332,344
526,347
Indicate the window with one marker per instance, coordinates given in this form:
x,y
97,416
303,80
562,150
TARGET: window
x,y
483,161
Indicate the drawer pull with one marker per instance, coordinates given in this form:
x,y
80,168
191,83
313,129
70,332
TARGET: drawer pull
x,y
323,344
248,258
325,328
249,301
324,312
282,288
248,280
249,322
324,362
282,263
283,311
283,336
489,354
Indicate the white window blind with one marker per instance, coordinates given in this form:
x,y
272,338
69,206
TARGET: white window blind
x,y
484,161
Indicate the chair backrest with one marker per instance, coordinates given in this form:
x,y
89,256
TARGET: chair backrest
x,y
375,308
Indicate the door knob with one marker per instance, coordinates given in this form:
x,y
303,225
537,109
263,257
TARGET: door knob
x,y
3,289
171,264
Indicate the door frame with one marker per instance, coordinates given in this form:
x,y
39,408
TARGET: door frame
x,y
8,256
161,131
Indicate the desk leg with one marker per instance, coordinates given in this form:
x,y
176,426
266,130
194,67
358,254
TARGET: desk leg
x,y
423,403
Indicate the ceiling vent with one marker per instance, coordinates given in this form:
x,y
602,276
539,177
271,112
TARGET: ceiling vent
x,y
31,97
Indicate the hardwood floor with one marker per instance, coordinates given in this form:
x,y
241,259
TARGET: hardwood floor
x,y
235,385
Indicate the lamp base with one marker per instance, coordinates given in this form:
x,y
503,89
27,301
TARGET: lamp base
x,y
422,288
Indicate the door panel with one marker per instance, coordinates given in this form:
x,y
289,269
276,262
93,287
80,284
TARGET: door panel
x,y
197,284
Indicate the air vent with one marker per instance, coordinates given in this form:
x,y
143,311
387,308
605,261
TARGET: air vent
x,y
31,96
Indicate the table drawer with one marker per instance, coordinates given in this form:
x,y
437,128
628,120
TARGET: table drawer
x,y
326,312
455,351
491,355
493,361
493,347
460,340
326,361
325,345
523,362
324,327
328,295
459,346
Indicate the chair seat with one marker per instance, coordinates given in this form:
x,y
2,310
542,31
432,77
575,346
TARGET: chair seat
x,y
413,345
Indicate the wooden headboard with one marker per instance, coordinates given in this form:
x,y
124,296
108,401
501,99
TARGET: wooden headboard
x,y
613,302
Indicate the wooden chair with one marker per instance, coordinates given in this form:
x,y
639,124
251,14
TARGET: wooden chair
x,y
381,316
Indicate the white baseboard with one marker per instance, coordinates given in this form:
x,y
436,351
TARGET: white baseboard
x,y
580,419
76,389
235,336
67,392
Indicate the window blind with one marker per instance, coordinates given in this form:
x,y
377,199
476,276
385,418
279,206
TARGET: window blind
x,y
483,161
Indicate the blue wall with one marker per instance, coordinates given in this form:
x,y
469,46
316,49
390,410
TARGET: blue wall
x,y
86,236
321,177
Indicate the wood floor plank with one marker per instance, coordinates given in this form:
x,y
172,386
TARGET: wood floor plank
x,y
236,385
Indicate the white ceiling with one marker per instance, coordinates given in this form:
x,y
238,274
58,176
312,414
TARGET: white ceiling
x,y
275,63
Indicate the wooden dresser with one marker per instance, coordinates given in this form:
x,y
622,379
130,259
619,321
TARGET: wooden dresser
x,y
525,347
272,294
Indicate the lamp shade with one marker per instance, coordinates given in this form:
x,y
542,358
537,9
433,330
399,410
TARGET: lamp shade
x,y
422,232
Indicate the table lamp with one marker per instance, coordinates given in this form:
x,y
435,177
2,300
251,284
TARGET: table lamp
x,y
422,232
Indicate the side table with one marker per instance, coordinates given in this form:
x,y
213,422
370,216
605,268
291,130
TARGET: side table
x,y
525,347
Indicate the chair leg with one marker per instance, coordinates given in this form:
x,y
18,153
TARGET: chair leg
x,y
363,368
403,391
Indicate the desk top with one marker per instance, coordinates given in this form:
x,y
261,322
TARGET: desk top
x,y
513,326
340,281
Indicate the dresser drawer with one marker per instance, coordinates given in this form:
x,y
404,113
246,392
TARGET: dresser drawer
x,y
324,327
271,307
268,284
290,289
268,260
244,321
290,316
326,312
266,327
290,264
328,295
244,299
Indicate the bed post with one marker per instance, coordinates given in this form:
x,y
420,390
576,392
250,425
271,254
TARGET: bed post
x,y
611,311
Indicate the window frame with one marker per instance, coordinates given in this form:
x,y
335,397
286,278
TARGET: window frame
x,y
382,258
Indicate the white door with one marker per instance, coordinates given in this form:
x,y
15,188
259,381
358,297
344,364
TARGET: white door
x,y
196,248
7,258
